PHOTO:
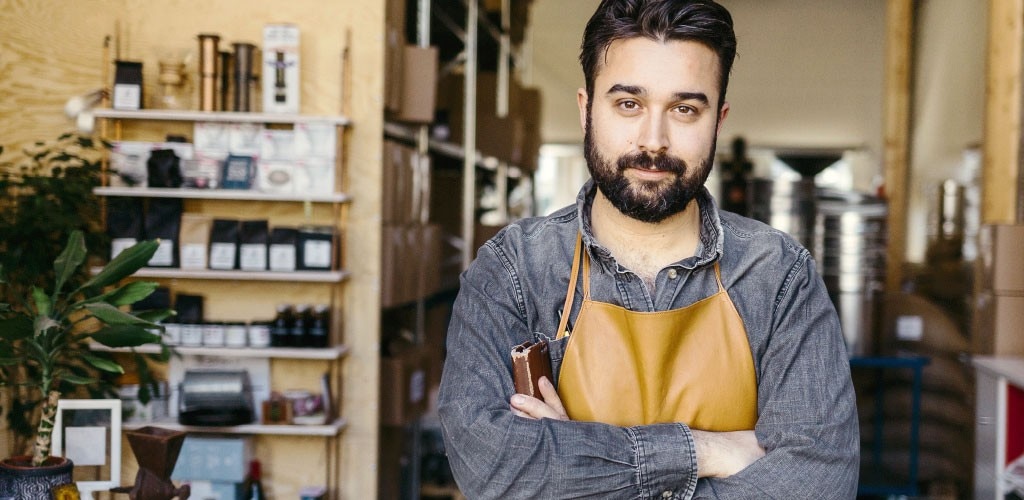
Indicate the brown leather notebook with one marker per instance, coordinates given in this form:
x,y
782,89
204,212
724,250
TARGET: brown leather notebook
x,y
530,362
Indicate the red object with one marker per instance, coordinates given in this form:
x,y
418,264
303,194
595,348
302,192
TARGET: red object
x,y
1014,422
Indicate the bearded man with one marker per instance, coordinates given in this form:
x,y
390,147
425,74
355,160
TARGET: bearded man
x,y
696,353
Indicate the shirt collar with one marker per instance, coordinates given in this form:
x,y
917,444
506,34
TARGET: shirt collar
x,y
709,248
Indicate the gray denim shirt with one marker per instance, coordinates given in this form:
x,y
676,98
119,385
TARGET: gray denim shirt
x,y
512,292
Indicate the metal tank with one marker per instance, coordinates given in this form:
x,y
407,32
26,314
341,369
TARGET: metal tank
x,y
851,259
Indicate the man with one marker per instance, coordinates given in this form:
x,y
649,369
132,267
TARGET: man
x,y
696,353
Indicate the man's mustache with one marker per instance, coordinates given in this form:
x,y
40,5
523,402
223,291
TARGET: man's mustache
x,y
646,161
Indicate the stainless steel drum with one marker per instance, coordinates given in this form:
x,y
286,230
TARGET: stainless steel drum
x,y
851,259
785,205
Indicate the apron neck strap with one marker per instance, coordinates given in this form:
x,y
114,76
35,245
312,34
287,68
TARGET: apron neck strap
x,y
571,292
718,277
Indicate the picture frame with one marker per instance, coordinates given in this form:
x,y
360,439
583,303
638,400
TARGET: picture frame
x,y
76,436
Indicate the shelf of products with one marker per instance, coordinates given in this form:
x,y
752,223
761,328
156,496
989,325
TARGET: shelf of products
x,y
219,194
235,275
216,116
325,189
326,353
326,430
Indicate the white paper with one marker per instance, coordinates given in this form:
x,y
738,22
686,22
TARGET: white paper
x,y
86,445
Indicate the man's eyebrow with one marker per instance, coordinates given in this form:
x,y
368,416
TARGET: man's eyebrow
x,y
690,96
629,89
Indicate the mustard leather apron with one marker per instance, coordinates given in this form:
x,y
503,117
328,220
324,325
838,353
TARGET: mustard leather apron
x,y
691,365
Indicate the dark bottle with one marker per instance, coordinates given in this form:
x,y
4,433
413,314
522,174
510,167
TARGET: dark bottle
x,y
252,488
300,328
320,326
281,327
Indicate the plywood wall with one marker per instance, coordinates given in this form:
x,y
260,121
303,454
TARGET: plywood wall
x,y
52,49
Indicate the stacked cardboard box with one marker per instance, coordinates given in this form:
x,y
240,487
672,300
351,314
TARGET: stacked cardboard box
x,y
514,138
403,387
410,71
998,320
411,250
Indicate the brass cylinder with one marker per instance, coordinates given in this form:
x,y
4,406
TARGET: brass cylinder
x,y
243,75
208,71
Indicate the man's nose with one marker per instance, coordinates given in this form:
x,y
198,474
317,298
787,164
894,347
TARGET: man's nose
x,y
653,134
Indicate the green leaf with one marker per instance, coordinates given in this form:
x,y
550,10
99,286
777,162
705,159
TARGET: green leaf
x,y
130,293
69,260
78,380
103,363
125,264
155,315
125,336
42,301
114,316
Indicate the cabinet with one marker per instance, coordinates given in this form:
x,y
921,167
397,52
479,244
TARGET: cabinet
x,y
999,424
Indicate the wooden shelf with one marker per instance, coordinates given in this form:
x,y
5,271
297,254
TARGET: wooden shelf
x,y
452,150
235,275
329,430
219,194
325,353
216,116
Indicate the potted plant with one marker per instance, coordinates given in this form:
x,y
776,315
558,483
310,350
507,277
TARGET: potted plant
x,y
45,336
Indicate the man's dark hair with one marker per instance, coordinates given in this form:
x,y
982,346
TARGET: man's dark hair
x,y
701,21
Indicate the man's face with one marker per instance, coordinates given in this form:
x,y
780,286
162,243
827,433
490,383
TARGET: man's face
x,y
651,127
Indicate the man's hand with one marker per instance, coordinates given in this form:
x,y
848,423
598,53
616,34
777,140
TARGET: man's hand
x,y
722,454
529,407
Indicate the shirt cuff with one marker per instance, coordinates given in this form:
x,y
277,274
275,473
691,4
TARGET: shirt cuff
x,y
666,460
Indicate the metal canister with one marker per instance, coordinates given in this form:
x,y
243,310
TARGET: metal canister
x,y
209,56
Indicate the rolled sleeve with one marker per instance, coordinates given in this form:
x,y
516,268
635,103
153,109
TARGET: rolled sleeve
x,y
662,451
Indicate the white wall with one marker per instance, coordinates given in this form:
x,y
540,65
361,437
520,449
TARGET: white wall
x,y
811,73
808,73
949,104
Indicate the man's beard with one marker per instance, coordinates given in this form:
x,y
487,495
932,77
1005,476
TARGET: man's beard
x,y
646,201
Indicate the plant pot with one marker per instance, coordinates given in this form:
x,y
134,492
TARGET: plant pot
x,y
19,479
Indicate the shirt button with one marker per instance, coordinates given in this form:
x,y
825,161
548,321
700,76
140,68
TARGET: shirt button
x,y
672,274
667,494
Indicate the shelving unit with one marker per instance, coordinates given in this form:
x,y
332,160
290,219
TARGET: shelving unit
x,y
219,194
236,275
333,353
57,64
332,429
329,357
216,116
459,30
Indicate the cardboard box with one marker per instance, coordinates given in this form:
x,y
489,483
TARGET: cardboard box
x,y
430,259
999,265
400,264
403,391
419,84
998,323
281,68
223,459
399,183
394,43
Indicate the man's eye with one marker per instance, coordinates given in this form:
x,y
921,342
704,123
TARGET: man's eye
x,y
686,110
629,105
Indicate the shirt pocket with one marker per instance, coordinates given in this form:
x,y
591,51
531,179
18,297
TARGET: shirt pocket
x,y
556,349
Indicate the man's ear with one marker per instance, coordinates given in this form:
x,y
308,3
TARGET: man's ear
x,y
581,101
721,117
